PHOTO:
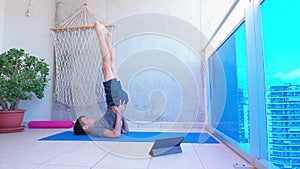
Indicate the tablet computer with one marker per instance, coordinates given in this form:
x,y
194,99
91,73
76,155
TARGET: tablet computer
x,y
166,146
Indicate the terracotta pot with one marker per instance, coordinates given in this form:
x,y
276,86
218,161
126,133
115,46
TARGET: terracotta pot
x,y
11,118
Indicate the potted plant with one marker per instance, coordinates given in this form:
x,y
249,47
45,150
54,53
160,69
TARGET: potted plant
x,y
21,76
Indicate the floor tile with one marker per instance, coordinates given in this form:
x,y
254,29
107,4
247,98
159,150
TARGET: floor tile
x,y
113,161
106,146
77,159
17,166
28,157
59,167
24,150
127,155
187,159
216,156
94,147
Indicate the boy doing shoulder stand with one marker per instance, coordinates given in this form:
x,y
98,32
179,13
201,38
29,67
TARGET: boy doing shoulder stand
x,y
112,123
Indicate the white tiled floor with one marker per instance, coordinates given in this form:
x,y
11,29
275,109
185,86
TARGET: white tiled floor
x,y
22,150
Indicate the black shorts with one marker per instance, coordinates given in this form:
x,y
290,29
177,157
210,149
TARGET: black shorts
x,y
114,93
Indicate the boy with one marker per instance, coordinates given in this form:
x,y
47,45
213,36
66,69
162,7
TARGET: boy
x,y
109,125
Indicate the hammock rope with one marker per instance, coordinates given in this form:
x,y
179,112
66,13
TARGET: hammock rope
x,y
78,60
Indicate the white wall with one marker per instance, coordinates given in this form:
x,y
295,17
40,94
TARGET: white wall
x,y
2,14
157,44
212,13
32,34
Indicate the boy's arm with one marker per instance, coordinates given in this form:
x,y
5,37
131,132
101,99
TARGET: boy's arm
x,y
121,108
124,127
116,132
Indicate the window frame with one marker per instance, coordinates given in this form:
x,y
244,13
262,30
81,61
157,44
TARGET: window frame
x,y
258,154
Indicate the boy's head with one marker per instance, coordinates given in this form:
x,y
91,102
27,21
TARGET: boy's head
x,y
83,125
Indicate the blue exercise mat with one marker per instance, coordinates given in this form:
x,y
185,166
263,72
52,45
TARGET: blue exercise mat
x,y
135,137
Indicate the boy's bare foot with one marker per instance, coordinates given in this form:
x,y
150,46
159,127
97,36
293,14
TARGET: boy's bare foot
x,y
100,28
108,37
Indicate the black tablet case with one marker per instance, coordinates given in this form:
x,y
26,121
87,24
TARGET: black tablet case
x,y
166,146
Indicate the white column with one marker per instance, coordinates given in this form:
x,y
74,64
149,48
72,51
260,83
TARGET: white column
x,y
256,82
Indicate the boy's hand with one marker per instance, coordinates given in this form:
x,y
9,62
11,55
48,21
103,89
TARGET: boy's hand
x,y
119,109
122,106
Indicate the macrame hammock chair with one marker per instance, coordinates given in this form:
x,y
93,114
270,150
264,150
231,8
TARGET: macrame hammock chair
x,y
78,78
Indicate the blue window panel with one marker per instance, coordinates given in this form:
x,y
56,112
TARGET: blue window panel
x,y
281,25
229,95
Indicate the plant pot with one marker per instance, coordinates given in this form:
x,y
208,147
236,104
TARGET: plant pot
x,y
11,118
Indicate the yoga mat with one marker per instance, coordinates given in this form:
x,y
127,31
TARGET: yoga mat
x,y
134,137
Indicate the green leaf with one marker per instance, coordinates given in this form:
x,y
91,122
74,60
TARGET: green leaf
x,y
22,75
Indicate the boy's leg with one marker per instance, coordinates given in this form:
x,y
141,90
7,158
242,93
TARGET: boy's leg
x,y
112,53
107,69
